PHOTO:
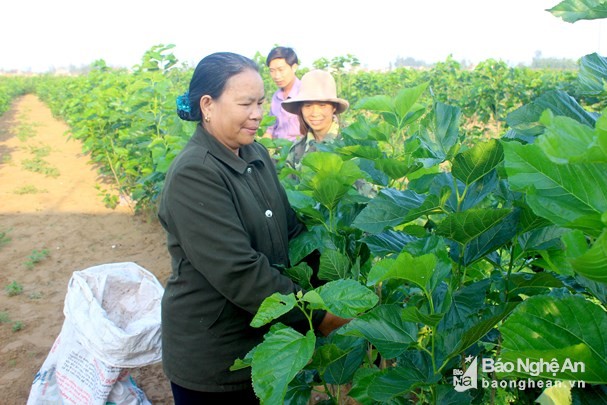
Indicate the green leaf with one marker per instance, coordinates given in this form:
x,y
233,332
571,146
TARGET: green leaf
x,y
592,264
589,395
300,200
301,274
362,151
277,360
567,328
446,395
388,242
305,243
412,369
474,163
451,191
328,177
556,261
384,328
575,10
314,299
418,270
559,102
324,356
528,284
407,98
569,195
487,241
376,104
300,388
593,75
444,132
554,395
360,385
393,207
546,237
466,302
397,168
463,227
340,366
243,363
576,243
473,332
347,298
333,266
272,308
567,141
413,314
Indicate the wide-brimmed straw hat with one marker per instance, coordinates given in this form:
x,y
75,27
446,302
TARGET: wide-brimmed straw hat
x,y
316,85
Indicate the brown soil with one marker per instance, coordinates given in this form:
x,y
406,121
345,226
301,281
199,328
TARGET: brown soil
x,y
64,215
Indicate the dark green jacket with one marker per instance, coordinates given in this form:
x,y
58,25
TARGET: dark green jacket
x,y
228,224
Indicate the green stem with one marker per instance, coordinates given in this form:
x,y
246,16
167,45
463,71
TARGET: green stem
x,y
423,349
459,265
370,352
328,391
510,266
432,332
460,199
113,170
306,314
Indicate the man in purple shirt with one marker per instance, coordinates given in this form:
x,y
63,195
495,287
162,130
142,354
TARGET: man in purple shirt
x,y
283,62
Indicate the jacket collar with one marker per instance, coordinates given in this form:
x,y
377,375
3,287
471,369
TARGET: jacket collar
x,y
249,154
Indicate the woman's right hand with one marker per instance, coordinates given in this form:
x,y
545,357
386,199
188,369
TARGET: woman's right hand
x,y
331,322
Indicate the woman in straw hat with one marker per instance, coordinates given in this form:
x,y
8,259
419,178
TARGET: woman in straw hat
x,y
317,106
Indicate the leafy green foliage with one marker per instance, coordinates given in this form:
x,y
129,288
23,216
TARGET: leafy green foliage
x,y
277,361
13,288
36,257
575,10
12,87
581,325
500,238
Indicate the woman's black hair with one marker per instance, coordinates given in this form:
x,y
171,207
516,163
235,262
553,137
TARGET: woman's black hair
x,y
282,52
210,78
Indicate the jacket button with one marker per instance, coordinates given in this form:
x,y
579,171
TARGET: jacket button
x,y
269,214
249,170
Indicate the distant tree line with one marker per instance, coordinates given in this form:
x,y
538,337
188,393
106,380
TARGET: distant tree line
x,y
538,62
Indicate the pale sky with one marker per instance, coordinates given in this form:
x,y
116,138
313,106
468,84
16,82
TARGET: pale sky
x,y
40,34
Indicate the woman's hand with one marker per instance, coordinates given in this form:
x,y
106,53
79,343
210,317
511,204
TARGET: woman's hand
x,y
331,322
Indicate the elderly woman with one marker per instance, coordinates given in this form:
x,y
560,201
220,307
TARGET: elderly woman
x,y
317,106
228,224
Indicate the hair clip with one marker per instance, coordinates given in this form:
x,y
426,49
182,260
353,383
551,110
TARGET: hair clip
x,y
183,102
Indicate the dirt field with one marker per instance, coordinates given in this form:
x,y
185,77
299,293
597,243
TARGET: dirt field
x,y
50,226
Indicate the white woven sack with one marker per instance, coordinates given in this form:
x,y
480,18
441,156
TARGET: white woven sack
x,y
114,310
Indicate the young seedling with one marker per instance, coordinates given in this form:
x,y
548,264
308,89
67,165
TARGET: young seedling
x,y
36,295
4,317
39,165
25,131
35,257
13,289
4,238
40,151
29,189
109,200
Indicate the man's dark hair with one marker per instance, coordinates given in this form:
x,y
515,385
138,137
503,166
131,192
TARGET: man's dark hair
x,y
281,52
